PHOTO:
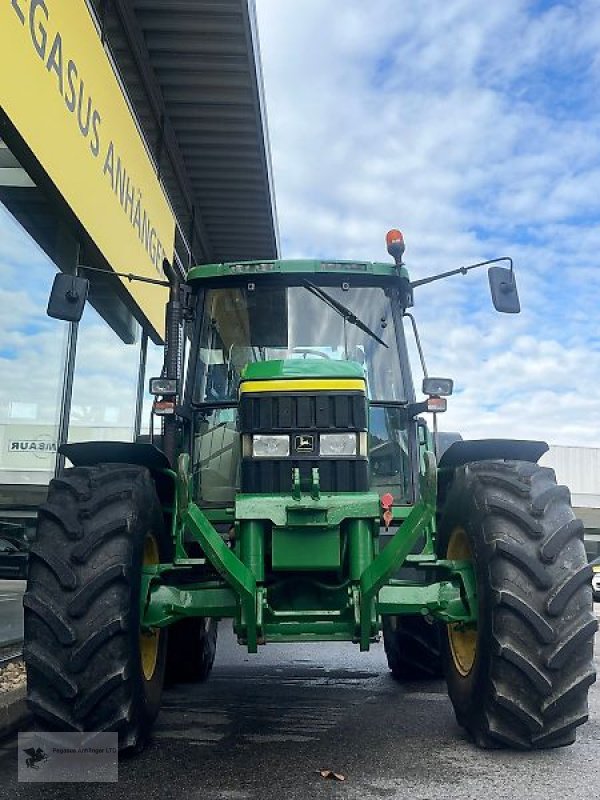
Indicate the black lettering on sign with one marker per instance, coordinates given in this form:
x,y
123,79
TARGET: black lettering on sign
x,y
120,177
131,201
128,195
18,11
36,28
137,215
32,446
83,127
109,164
52,50
145,236
95,143
71,78
55,60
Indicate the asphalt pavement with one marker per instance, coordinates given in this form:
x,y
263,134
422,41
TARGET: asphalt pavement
x,y
263,726
11,611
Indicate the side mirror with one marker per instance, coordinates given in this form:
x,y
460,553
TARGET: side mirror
x,y
503,287
440,387
67,298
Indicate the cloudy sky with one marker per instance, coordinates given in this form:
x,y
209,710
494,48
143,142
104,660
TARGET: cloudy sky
x,y
475,129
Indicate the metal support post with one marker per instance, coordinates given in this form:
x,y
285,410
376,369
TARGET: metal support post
x,y
360,547
172,368
66,256
252,547
141,382
66,395
229,566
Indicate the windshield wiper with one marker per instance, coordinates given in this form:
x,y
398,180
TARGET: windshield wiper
x,y
341,309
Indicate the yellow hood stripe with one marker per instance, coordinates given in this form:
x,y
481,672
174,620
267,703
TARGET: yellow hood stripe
x,y
303,385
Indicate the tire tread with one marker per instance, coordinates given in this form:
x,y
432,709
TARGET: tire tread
x,y
530,545
80,646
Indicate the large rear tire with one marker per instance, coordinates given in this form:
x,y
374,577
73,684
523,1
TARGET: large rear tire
x,y
521,678
89,666
413,648
191,650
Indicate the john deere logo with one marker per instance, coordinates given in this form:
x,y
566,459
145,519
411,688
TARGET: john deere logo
x,y
304,444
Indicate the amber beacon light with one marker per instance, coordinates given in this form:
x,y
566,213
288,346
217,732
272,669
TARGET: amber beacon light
x,y
395,245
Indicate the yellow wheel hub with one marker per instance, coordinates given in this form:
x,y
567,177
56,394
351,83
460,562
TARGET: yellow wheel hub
x,y
463,641
149,640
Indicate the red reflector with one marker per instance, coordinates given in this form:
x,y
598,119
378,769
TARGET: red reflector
x,y
387,500
437,404
163,408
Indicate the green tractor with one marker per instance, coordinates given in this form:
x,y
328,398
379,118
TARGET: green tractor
x,y
296,489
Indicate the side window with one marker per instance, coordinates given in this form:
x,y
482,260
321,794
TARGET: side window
x,y
224,329
389,453
216,456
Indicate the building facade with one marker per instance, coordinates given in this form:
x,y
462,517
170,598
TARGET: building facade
x,y
130,133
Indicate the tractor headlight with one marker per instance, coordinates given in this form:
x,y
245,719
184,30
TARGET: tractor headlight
x,y
338,444
270,446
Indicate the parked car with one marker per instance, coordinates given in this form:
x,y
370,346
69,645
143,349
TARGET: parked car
x,y
14,557
596,579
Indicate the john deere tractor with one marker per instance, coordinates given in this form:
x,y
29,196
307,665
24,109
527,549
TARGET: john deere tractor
x,y
296,489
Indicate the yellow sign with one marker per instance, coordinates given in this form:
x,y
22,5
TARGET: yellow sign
x,y
59,90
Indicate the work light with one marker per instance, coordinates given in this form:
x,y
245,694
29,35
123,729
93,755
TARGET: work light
x,y
338,444
270,445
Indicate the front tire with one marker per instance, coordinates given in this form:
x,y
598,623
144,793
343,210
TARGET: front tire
x,y
521,678
89,666
191,650
413,648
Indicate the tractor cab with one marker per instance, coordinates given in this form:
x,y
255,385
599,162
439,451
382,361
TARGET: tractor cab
x,y
299,366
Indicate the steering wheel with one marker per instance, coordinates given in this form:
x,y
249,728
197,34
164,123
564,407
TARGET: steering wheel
x,y
308,352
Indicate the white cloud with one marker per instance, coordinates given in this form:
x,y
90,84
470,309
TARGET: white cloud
x,y
475,129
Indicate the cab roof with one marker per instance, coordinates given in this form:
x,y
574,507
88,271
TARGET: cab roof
x,y
294,266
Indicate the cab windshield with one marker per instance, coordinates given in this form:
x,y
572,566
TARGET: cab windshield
x,y
258,322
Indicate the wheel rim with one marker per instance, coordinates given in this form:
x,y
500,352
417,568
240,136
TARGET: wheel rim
x,y
463,641
149,640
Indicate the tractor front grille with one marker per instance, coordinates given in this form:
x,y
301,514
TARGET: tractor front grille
x,y
303,413
334,411
263,476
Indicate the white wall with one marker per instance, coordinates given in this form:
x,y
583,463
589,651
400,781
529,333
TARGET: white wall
x,y
579,469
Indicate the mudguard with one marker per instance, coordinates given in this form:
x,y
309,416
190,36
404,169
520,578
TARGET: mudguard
x,y
87,454
460,453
